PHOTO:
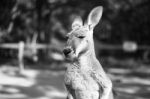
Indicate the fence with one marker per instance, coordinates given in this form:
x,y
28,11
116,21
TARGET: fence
x,y
22,48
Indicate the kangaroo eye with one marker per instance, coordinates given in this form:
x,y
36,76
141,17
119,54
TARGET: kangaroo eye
x,y
81,37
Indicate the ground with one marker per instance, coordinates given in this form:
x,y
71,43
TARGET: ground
x,y
129,82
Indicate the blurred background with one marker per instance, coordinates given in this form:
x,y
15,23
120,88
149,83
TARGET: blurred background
x,y
32,36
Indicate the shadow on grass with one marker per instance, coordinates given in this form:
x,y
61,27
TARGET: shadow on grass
x,y
43,81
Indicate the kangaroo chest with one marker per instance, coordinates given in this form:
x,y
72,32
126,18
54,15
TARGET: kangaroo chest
x,y
79,79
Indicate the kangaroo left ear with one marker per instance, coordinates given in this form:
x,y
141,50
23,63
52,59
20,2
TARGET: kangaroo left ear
x,y
94,17
77,22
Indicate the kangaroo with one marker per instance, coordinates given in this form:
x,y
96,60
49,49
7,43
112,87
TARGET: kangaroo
x,y
85,77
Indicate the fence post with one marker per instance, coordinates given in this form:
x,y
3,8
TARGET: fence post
x,y
21,56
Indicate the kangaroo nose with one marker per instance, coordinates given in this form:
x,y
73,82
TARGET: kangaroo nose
x,y
67,51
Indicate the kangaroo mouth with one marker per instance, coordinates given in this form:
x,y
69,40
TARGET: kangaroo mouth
x,y
69,52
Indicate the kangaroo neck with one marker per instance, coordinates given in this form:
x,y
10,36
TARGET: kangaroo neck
x,y
92,47
85,62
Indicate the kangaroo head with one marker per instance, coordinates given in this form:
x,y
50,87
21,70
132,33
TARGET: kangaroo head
x,y
80,39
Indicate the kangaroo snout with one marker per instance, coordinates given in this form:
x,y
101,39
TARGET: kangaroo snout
x,y
67,51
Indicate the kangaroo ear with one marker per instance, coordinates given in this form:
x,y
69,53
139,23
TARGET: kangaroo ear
x,y
77,22
94,17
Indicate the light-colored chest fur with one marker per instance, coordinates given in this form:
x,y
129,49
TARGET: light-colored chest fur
x,y
80,79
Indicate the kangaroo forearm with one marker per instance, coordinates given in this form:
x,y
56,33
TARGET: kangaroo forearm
x,y
107,90
69,96
106,93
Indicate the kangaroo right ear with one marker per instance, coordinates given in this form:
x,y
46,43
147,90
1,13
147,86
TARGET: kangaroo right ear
x,y
77,23
94,16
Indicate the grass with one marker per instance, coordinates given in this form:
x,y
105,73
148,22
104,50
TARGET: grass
x,y
131,80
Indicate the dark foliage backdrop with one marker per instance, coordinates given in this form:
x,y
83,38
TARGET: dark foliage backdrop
x,y
122,20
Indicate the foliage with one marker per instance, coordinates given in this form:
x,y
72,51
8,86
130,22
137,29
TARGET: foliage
x,y
51,20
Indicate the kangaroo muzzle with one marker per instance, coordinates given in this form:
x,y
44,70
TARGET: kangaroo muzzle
x,y
67,51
